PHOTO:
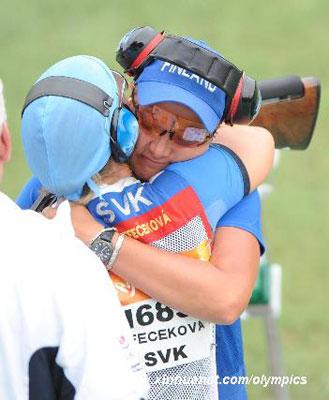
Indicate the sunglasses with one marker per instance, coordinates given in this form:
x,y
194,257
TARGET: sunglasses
x,y
156,121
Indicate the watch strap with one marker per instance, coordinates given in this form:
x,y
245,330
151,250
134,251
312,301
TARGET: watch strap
x,y
106,235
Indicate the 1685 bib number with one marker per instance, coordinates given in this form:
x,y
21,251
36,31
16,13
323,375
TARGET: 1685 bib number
x,y
146,314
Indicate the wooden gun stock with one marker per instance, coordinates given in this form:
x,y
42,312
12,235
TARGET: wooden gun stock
x,y
289,110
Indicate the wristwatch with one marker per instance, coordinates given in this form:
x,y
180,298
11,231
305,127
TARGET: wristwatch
x,y
102,245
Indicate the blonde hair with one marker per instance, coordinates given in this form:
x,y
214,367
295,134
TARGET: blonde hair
x,y
3,116
87,194
109,174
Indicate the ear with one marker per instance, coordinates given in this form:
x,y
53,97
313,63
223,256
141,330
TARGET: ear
x,y
132,86
132,99
129,102
5,144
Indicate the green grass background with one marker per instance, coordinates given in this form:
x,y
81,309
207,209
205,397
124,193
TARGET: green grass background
x,y
269,39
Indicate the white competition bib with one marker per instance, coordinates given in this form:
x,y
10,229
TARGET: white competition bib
x,y
167,338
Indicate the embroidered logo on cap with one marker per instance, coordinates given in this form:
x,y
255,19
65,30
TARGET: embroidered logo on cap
x,y
174,69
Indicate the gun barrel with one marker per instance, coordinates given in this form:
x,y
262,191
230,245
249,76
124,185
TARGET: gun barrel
x,y
287,87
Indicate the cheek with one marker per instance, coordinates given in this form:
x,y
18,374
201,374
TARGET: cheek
x,y
142,142
181,153
140,148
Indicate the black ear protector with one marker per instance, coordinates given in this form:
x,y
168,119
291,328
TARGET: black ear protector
x,y
141,46
124,126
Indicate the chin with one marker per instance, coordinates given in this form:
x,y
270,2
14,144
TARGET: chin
x,y
142,171
144,174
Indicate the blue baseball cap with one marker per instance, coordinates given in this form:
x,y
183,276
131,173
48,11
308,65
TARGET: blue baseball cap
x,y
66,142
162,81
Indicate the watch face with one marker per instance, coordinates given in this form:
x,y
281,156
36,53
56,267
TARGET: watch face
x,y
103,250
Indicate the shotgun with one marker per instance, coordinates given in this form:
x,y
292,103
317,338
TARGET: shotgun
x,y
289,110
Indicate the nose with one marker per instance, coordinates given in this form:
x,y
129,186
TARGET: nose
x,y
160,146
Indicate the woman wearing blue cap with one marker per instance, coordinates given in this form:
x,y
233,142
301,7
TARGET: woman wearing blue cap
x,y
67,140
59,339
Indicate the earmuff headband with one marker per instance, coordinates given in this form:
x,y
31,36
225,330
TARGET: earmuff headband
x,y
147,50
71,88
235,102
144,45
201,61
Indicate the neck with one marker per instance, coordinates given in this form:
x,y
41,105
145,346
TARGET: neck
x,y
113,172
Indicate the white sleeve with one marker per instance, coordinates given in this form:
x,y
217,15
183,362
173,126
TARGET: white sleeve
x,y
56,294
96,349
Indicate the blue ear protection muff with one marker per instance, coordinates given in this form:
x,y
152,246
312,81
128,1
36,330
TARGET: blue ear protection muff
x,y
123,127
124,134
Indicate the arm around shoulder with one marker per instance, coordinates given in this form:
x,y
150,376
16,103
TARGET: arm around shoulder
x,y
216,290
255,147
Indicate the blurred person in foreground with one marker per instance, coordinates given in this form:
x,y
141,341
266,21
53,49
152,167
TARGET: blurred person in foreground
x,y
62,332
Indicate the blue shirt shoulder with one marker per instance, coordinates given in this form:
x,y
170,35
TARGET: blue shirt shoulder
x,y
247,216
218,177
